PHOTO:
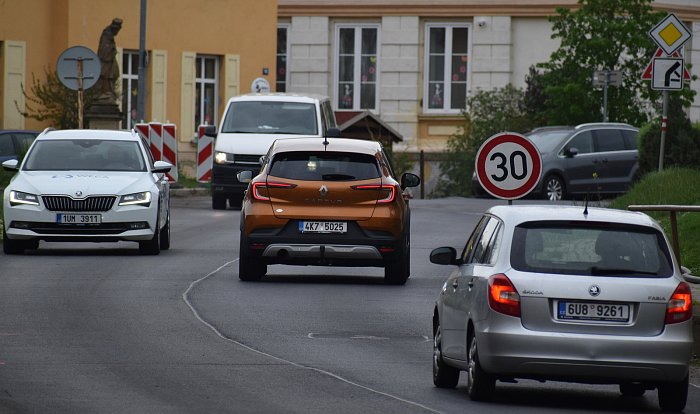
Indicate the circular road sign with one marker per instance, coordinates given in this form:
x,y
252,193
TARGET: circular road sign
x,y
69,65
508,165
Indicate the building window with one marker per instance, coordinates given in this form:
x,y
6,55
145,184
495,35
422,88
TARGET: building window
x,y
206,90
446,67
282,48
356,71
130,80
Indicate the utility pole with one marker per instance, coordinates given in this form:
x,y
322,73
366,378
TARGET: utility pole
x,y
141,88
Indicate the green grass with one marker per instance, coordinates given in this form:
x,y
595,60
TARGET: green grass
x,y
677,186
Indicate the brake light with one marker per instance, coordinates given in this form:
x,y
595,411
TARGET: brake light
x,y
680,307
389,189
503,297
260,189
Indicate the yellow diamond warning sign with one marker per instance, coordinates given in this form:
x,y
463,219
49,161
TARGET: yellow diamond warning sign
x,y
670,33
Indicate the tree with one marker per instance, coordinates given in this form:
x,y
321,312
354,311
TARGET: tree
x,y
490,112
600,34
51,101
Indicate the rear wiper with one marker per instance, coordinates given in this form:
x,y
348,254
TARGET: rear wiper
x,y
601,271
337,177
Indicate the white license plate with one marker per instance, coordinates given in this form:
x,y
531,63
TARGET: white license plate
x,y
323,227
82,219
592,311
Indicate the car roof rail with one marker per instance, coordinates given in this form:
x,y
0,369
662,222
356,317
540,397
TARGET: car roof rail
x,y
47,130
592,124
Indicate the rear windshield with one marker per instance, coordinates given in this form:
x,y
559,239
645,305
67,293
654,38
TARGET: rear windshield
x,y
263,117
324,166
586,248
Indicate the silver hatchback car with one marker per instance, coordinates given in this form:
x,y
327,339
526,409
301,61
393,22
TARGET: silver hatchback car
x,y
564,293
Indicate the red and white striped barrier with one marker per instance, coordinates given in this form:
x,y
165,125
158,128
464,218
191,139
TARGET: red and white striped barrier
x,y
169,153
144,131
155,133
205,155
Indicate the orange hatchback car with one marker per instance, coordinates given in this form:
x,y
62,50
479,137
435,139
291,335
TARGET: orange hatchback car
x,y
326,202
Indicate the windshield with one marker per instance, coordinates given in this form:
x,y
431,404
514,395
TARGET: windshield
x,y
589,248
263,117
83,154
324,166
547,141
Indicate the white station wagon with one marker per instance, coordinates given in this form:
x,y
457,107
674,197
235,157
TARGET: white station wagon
x,y
564,293
87,186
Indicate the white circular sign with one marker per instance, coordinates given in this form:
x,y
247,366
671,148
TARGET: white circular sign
x,y
260,85
508,165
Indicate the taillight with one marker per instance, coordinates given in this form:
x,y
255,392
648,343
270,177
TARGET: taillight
x,y
503,297
680,307
389,190
260,189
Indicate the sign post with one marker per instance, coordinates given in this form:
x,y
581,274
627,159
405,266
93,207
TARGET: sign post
x,y
668,72
78,68
508,165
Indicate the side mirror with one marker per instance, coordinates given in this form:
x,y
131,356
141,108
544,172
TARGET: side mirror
x,y
333,133
162,167
210,131
10,165
571,152
244,176
688,277
409,180
444,256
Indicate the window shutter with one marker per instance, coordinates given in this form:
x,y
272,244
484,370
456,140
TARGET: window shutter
x,y
159,79
13,64
187,98
232,77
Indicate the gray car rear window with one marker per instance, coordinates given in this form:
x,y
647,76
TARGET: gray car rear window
x,y
324,166
590,248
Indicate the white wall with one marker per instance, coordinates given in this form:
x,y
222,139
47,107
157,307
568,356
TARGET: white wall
x,y
532,43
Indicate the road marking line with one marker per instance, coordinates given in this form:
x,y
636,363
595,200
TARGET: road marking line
x,y
295,364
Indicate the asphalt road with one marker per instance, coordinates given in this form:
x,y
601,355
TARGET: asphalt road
x,y
96,328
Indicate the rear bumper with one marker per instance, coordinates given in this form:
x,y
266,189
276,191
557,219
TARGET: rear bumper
x,y
357,247
522,353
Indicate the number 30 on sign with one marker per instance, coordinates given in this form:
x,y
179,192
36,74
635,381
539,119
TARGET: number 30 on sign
x,y
508,165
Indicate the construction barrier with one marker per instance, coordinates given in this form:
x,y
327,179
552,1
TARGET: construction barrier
x,y
169,153
143,130
205,155
155,135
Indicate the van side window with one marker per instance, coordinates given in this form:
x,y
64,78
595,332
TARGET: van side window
x,y
609,140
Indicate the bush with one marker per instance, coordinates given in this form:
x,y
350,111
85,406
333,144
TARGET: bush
x,y
682,144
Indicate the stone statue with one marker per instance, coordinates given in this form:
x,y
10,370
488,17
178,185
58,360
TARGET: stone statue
x,y
109,74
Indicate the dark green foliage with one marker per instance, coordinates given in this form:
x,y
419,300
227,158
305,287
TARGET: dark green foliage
x,y
682,144
490,112
51,101
599,34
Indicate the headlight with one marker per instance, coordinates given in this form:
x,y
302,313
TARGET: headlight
x,y
141,199
223,157
18,197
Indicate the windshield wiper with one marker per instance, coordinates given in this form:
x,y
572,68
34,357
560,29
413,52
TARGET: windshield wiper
x,y
602,271
337,177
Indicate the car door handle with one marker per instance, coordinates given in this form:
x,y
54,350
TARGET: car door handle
x,y
455,285
471,283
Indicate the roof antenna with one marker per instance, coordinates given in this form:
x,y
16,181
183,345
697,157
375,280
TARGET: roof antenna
x,y
325,141
585,207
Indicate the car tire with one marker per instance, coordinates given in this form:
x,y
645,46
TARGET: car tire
x,y
249,269
165,235
553,188
673,395
397,271
444,376
218,202
10,246
632,389
480,386
151,247
235,202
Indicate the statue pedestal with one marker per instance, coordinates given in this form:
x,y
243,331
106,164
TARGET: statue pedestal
x,y
103,116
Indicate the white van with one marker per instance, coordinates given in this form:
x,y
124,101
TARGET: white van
x,y
250,124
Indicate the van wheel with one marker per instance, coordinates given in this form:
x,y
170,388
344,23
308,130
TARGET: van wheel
x,y
554,189
218,202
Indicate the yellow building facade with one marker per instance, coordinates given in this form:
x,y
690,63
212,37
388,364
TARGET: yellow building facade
x,y
200,53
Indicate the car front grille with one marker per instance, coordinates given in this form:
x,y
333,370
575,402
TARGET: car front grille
x,y
246,159
65,203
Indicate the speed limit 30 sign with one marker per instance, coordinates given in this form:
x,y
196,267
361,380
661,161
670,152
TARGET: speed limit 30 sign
x,y
508,165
